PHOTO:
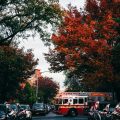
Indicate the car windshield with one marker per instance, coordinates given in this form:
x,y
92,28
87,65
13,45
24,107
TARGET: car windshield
x,y
25,107
38,105
13,106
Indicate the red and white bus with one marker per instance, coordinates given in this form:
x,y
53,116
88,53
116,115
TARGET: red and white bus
x,y
71,103
74,103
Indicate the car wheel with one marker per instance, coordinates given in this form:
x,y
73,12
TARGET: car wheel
x,y
30,118
73,113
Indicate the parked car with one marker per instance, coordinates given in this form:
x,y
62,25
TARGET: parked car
x,y
25,109
52,107
116,113
48,107
39,108
3,112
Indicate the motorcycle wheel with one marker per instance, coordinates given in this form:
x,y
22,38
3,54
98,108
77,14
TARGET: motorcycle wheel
x,y
97,116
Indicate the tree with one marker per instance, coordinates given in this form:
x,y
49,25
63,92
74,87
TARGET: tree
x,y
15,67
19,16
116,68
85,43
26,95
97,9
73,84
102,8
47,89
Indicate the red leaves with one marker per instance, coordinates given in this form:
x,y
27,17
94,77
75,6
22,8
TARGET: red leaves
x,y
83,35
87,39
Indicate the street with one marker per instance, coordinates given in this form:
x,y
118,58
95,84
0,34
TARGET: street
x,y
52,116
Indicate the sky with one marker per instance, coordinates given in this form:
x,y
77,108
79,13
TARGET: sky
x,y
39,49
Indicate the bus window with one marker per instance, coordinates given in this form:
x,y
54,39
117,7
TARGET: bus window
x,y
65,101
56,101
74,101
85,99
60,101
80,100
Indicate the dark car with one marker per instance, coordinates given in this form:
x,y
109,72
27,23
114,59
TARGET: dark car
x,y
48,107
116,113
3,112
25,109
39,108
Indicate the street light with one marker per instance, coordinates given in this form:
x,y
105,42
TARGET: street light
x,y
38,73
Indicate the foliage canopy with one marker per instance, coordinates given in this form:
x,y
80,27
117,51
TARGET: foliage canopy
x,y
15,67
84,44
19,16
47,89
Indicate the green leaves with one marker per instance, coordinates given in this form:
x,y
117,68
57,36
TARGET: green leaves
x,y
27,95
15,67
22,15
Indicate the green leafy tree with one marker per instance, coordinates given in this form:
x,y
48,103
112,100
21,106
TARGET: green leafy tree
x,y
15,67
73,84
26,95
19,16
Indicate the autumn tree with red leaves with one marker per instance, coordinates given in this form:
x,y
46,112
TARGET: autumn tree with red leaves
x,y
84,43
98,9
47,89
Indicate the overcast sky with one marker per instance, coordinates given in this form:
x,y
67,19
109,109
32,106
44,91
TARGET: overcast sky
x,y
38,47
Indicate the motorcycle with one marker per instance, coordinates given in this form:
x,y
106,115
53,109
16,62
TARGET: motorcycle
x,y
103,114
94,114
11,115
21,115
116,113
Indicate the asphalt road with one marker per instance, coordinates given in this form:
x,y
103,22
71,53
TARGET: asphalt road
x,y
52,116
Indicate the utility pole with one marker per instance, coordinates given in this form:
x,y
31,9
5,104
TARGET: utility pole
x,y
37,75
37,90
